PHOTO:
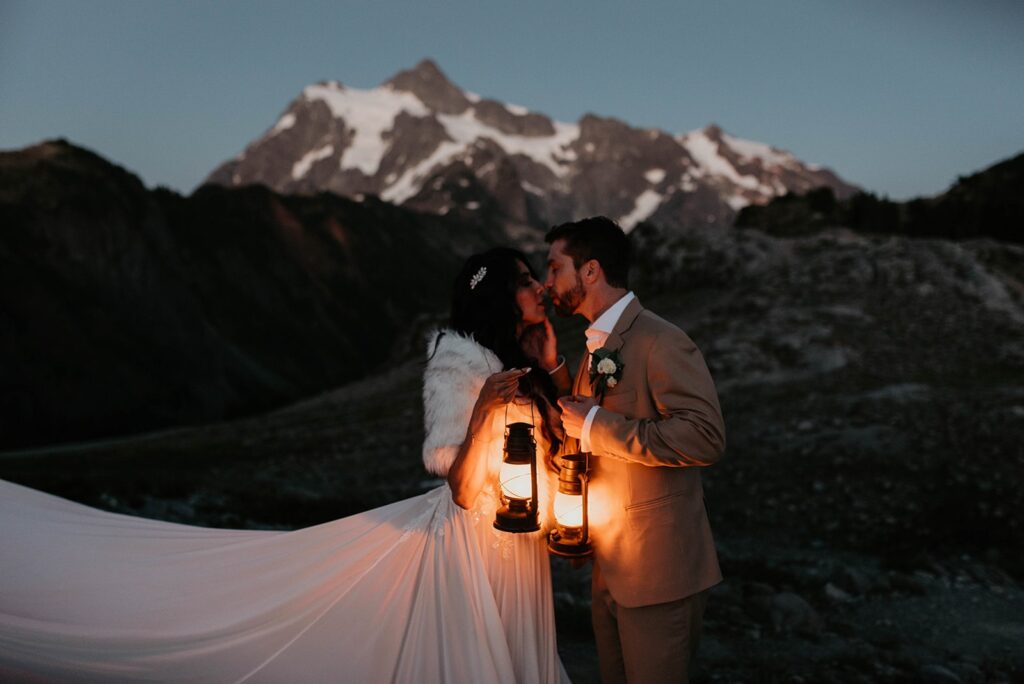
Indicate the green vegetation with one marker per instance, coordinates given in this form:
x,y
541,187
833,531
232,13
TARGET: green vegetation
x,y
987,204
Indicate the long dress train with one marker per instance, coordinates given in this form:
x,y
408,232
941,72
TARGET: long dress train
x,y
416,591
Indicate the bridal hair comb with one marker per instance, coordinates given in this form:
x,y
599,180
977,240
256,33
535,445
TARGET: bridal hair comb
x,y
475,280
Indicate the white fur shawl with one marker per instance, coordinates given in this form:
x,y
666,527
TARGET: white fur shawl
x,y
451,383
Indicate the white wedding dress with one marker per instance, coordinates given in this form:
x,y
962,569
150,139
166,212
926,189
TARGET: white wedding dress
x,y
416,591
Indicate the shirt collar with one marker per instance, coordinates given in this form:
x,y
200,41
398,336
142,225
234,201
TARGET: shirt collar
x,y
606,321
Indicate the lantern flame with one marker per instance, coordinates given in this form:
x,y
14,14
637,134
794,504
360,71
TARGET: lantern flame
x,y
569,509
516,481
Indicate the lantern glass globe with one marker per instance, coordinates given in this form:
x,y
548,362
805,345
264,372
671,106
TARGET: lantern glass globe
x,y
569,509
515,479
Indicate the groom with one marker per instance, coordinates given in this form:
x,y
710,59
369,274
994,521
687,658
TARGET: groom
x,y
650,432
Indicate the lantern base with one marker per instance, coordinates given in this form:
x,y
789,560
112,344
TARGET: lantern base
x,y
511,520
568,548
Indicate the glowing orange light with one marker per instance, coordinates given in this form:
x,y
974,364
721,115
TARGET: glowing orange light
x,y
569,509
515,479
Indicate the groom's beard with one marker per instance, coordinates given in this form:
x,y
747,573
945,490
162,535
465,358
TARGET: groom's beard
x,y
566,303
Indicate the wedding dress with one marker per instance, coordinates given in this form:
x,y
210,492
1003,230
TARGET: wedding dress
x,y
416,591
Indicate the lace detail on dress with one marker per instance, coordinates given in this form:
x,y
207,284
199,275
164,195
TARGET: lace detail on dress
x,y
483,512
488,503
431,520
502,543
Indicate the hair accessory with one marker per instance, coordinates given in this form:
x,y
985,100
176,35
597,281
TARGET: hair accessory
x,y
475,280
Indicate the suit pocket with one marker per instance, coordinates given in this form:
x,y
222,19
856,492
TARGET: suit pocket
x,y
665,500
655,518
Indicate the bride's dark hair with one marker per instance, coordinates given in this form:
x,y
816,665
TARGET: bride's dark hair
x,y
484,306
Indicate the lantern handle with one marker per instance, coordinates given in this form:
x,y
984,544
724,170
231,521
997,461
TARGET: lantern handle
x,y
533,420
584,486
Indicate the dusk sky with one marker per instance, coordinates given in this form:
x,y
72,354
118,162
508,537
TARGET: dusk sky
x,y
898,97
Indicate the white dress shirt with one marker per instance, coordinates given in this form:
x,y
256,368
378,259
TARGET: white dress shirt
x,y
597,334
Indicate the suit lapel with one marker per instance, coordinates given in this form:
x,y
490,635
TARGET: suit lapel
x,y
625,322
581,385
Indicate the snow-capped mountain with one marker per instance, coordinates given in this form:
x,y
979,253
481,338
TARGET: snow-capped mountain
x,y
420,141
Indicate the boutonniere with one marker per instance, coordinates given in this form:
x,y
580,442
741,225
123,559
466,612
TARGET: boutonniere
x,y
605,370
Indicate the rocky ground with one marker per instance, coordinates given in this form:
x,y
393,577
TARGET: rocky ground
x,y
868,513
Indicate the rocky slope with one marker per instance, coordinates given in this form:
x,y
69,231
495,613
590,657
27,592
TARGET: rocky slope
x,y
867,513
124,309
421,141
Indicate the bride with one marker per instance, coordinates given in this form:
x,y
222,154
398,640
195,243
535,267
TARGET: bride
x,y
421,590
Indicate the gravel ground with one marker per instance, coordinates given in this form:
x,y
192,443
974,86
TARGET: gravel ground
x,y
868,512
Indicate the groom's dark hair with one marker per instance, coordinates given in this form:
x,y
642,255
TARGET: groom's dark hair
x,y
598,238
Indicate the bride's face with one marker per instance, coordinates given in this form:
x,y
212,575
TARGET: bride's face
x,y
530,297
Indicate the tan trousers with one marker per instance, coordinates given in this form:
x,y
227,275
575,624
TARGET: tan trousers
x,y
647,644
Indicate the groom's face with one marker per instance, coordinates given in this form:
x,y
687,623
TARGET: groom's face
x,y
564,285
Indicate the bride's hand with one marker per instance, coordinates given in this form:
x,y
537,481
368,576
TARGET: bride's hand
x,y
539,342
500,388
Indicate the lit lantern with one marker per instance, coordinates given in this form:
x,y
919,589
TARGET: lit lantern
x,y
571,536
518,480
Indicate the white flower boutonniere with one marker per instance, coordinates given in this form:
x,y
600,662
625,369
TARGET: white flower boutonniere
x,y
606,371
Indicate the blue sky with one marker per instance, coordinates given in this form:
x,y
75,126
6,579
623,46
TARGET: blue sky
x,y
899,97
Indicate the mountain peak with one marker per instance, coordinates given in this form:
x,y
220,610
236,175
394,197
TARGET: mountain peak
x,y
74,161
427,82
413,139
713,131
428,69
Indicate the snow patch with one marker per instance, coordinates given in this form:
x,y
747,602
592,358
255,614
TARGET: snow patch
x,y
704,151
748,149
645,205
408,185
283,124
518,110
301,167
737,202
369,114
655,176
464,130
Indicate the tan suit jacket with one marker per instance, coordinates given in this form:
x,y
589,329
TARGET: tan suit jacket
x,y
654,431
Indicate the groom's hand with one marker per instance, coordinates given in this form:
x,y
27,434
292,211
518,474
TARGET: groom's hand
x,y
574,413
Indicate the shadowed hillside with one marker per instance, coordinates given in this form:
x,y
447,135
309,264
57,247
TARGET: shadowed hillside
x,y
989,203
124,309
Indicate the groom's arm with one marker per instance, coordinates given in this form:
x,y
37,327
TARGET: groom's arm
x,y
689,430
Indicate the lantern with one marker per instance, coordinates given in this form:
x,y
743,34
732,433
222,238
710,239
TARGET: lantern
x,y
518,480
571,536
